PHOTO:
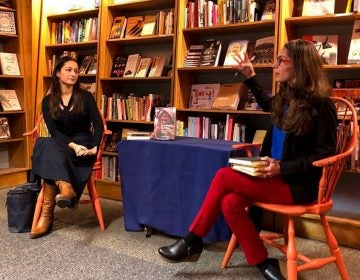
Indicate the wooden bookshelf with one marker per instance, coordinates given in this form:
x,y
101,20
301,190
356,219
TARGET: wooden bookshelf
x,y
17,163
146,46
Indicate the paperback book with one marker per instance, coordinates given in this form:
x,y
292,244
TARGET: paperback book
x,y
157,66
144,66
119,64
249,161
235,48
354,50
193,56
229,96
203,95
85,64
149,25
211,53
264,50
327,47
4,128
9,64
164,123
131,65
118,27
318,7
7,22
9,100
252,171
134,26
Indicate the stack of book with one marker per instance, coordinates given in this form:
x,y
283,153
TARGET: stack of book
x,y
193,56
248,165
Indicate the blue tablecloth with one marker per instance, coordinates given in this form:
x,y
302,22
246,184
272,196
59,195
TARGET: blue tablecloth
x,y
164,183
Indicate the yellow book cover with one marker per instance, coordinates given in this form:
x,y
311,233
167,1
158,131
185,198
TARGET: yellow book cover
x,y
149,25
228,97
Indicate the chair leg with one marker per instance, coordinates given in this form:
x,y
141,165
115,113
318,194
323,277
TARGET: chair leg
x,y
229,251
291,252
94,197
334,248
38,207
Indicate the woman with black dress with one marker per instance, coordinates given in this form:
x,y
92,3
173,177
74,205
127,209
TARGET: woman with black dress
x,y
64,160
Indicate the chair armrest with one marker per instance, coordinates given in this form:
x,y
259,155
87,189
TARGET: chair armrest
x,y
248,147
31,132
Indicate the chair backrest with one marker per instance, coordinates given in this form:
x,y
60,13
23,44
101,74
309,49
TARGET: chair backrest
x,y
347,135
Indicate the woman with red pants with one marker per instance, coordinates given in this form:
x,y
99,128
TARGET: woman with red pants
x,y
304,130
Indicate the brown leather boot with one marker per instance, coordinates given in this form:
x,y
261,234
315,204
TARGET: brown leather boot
x,y
46,219
67,195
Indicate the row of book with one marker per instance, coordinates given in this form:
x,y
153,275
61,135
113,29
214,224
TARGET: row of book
x,y
206,127
109,169
130,107
134,65
161,23
208,54
203,13
82,30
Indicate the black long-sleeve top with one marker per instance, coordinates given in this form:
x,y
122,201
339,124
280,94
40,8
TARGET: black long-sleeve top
x,y
299,152
84,129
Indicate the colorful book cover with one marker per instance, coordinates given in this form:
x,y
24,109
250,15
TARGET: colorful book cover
x,y
354,50
203,95
165,123
7,22
118,27
119,64
9,64
235,48
318,7
4,128
327,47
9,100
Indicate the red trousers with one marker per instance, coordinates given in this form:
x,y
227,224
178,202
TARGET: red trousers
x,y
231,192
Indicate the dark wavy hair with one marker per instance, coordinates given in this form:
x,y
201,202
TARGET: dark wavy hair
x,y
55,91
298,95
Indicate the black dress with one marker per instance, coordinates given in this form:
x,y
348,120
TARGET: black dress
x,y
52,159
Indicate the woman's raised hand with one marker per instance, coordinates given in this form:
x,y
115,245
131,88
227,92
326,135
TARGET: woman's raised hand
x,y
244,65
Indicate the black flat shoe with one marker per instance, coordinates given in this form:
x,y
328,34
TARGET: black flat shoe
x,y
181,252
271,271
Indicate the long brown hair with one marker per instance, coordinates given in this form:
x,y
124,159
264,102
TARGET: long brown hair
x,y
298,95
55,91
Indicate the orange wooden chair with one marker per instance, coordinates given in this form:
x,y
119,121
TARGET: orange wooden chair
x,y
332,168
40,131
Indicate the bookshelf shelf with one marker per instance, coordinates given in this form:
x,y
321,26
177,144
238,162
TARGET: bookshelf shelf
x,y
141,5
229,29
11,140
131,122
151,39
75,46
131,79
73,14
